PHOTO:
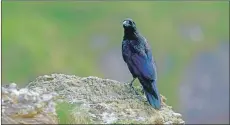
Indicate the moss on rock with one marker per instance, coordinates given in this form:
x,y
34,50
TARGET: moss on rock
x,y
94,100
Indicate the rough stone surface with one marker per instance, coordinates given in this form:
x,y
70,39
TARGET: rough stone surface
x,y
99,100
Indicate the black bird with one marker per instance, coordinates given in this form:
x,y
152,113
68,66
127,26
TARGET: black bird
x,y
138,56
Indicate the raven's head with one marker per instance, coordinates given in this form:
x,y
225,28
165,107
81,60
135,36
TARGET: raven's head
x,y
129,24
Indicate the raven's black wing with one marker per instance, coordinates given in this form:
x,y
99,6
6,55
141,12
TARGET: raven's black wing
x,y
143,62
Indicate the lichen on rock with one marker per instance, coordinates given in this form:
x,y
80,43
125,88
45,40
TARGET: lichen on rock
x,y
96,100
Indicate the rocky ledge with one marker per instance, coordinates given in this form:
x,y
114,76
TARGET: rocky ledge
x,y
93,100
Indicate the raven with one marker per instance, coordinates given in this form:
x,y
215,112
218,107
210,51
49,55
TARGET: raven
x,y
138,56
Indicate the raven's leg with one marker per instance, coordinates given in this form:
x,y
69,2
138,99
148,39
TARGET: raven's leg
x,y
131,86
131,83
138,95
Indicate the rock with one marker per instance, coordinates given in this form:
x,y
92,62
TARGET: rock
x,y
168,123
12,86
177,115
92,100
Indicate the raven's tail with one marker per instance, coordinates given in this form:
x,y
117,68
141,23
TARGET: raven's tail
x,y
153,101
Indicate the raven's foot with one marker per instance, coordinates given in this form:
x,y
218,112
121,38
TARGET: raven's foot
x,y
131,83
133,89
131,86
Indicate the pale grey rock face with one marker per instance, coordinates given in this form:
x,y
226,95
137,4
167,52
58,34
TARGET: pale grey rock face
x,y
99,100
26,106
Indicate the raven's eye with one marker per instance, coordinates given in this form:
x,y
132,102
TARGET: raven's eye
x,y
130,22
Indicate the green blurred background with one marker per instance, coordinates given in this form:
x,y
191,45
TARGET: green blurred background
x,y
84,38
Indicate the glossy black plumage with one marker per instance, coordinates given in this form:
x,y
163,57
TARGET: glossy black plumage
x,y
138,56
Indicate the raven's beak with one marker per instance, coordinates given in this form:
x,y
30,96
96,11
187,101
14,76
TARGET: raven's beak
x,y
126,23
